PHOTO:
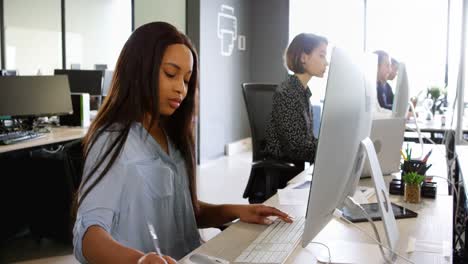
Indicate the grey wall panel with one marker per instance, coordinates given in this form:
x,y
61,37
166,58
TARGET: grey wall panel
x,y
223,117
270,35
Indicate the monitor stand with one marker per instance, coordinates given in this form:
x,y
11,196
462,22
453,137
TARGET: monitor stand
x,y
383,198
357,251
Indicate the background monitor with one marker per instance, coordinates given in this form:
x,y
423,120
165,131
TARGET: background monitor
x,y
8,72
34,96
101,67
84,81
107,82
401,100
346,121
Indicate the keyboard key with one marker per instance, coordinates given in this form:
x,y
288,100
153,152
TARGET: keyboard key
x,y
274,244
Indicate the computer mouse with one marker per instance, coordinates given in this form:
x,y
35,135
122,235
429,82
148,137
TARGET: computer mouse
x,y
198,258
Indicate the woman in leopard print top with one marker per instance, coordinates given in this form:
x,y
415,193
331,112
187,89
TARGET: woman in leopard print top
x,y
289,134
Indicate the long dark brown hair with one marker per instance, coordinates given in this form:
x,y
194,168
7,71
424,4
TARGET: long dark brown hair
x,y
134,94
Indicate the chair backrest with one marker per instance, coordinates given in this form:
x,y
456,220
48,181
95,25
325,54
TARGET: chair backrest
x,y
258,99
74,161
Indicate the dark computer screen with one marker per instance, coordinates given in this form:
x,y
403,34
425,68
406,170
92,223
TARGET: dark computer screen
x,y
8,72
34,96
84,81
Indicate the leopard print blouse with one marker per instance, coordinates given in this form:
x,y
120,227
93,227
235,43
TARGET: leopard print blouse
x,y
290,134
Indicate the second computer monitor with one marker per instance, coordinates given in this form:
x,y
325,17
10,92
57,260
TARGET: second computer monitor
x,y
24,96
84,81
346,121
401,100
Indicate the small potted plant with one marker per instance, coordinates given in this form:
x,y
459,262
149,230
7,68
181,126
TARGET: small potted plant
x,y
413,182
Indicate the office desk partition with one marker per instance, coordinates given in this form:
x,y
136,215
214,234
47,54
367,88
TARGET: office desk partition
x,y
36,191
461,178
434,223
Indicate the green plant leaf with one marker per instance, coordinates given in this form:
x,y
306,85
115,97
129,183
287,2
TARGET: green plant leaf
x,y
413,178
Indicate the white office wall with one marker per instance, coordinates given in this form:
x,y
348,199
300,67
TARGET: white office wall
x,y
454,49
413,32
172,12
341,22
96,31
32,36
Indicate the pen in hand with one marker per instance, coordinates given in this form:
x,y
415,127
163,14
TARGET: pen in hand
x,y
155,240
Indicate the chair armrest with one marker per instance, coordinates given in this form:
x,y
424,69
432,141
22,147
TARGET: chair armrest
x,y
274,164
224,226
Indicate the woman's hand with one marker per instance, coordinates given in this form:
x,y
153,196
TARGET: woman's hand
x,y
258,214
153,258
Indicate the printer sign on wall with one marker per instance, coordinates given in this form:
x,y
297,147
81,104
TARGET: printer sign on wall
x,y
227,31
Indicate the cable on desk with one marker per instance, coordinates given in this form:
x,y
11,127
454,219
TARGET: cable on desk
x,y
351,202
53,151
454,187
417,127
339,214
328,249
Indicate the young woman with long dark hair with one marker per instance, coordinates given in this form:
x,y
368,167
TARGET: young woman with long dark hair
x,y
140,159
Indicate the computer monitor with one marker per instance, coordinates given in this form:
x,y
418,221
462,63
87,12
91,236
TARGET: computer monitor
x,y
387,134
26,96
346,121
101,67
401,100
107,82
84,81
8,72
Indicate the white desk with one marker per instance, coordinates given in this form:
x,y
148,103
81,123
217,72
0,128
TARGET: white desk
x,y
434,223
57,135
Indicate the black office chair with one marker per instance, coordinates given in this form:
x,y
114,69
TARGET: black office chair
x,y
74,162
266,174
57,177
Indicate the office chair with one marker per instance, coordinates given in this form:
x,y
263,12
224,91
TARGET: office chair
x,y
57,177
266,174
74,162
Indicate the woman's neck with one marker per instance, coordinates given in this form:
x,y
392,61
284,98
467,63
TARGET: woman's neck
x,y
304,78
157,132
382,81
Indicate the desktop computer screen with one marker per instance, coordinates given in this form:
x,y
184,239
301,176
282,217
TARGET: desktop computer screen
x,y
387,132
8,72
401,100
346,121
25,96
108,75
84,81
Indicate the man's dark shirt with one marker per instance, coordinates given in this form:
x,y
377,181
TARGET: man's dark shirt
x,y
385,95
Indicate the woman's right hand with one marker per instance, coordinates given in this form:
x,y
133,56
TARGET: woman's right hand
x,y
153,258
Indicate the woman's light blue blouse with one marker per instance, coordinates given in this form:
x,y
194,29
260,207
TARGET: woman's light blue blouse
x,y
145,184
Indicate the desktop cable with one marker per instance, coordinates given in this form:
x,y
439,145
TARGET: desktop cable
x,y
339,214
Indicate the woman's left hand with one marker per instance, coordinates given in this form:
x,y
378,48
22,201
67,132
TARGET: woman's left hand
x,y
258,214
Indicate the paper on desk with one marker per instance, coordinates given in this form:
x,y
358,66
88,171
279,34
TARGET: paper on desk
x,y
293,196
363,193
438,247
303,185
346,252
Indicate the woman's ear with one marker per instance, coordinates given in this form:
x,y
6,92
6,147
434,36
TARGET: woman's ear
x,y
303,57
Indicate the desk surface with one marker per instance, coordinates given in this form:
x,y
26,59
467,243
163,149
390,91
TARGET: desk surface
x,y
57,135
435,125
434,223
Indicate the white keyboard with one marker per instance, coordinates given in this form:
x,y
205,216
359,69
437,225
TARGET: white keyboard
x,y
274,244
